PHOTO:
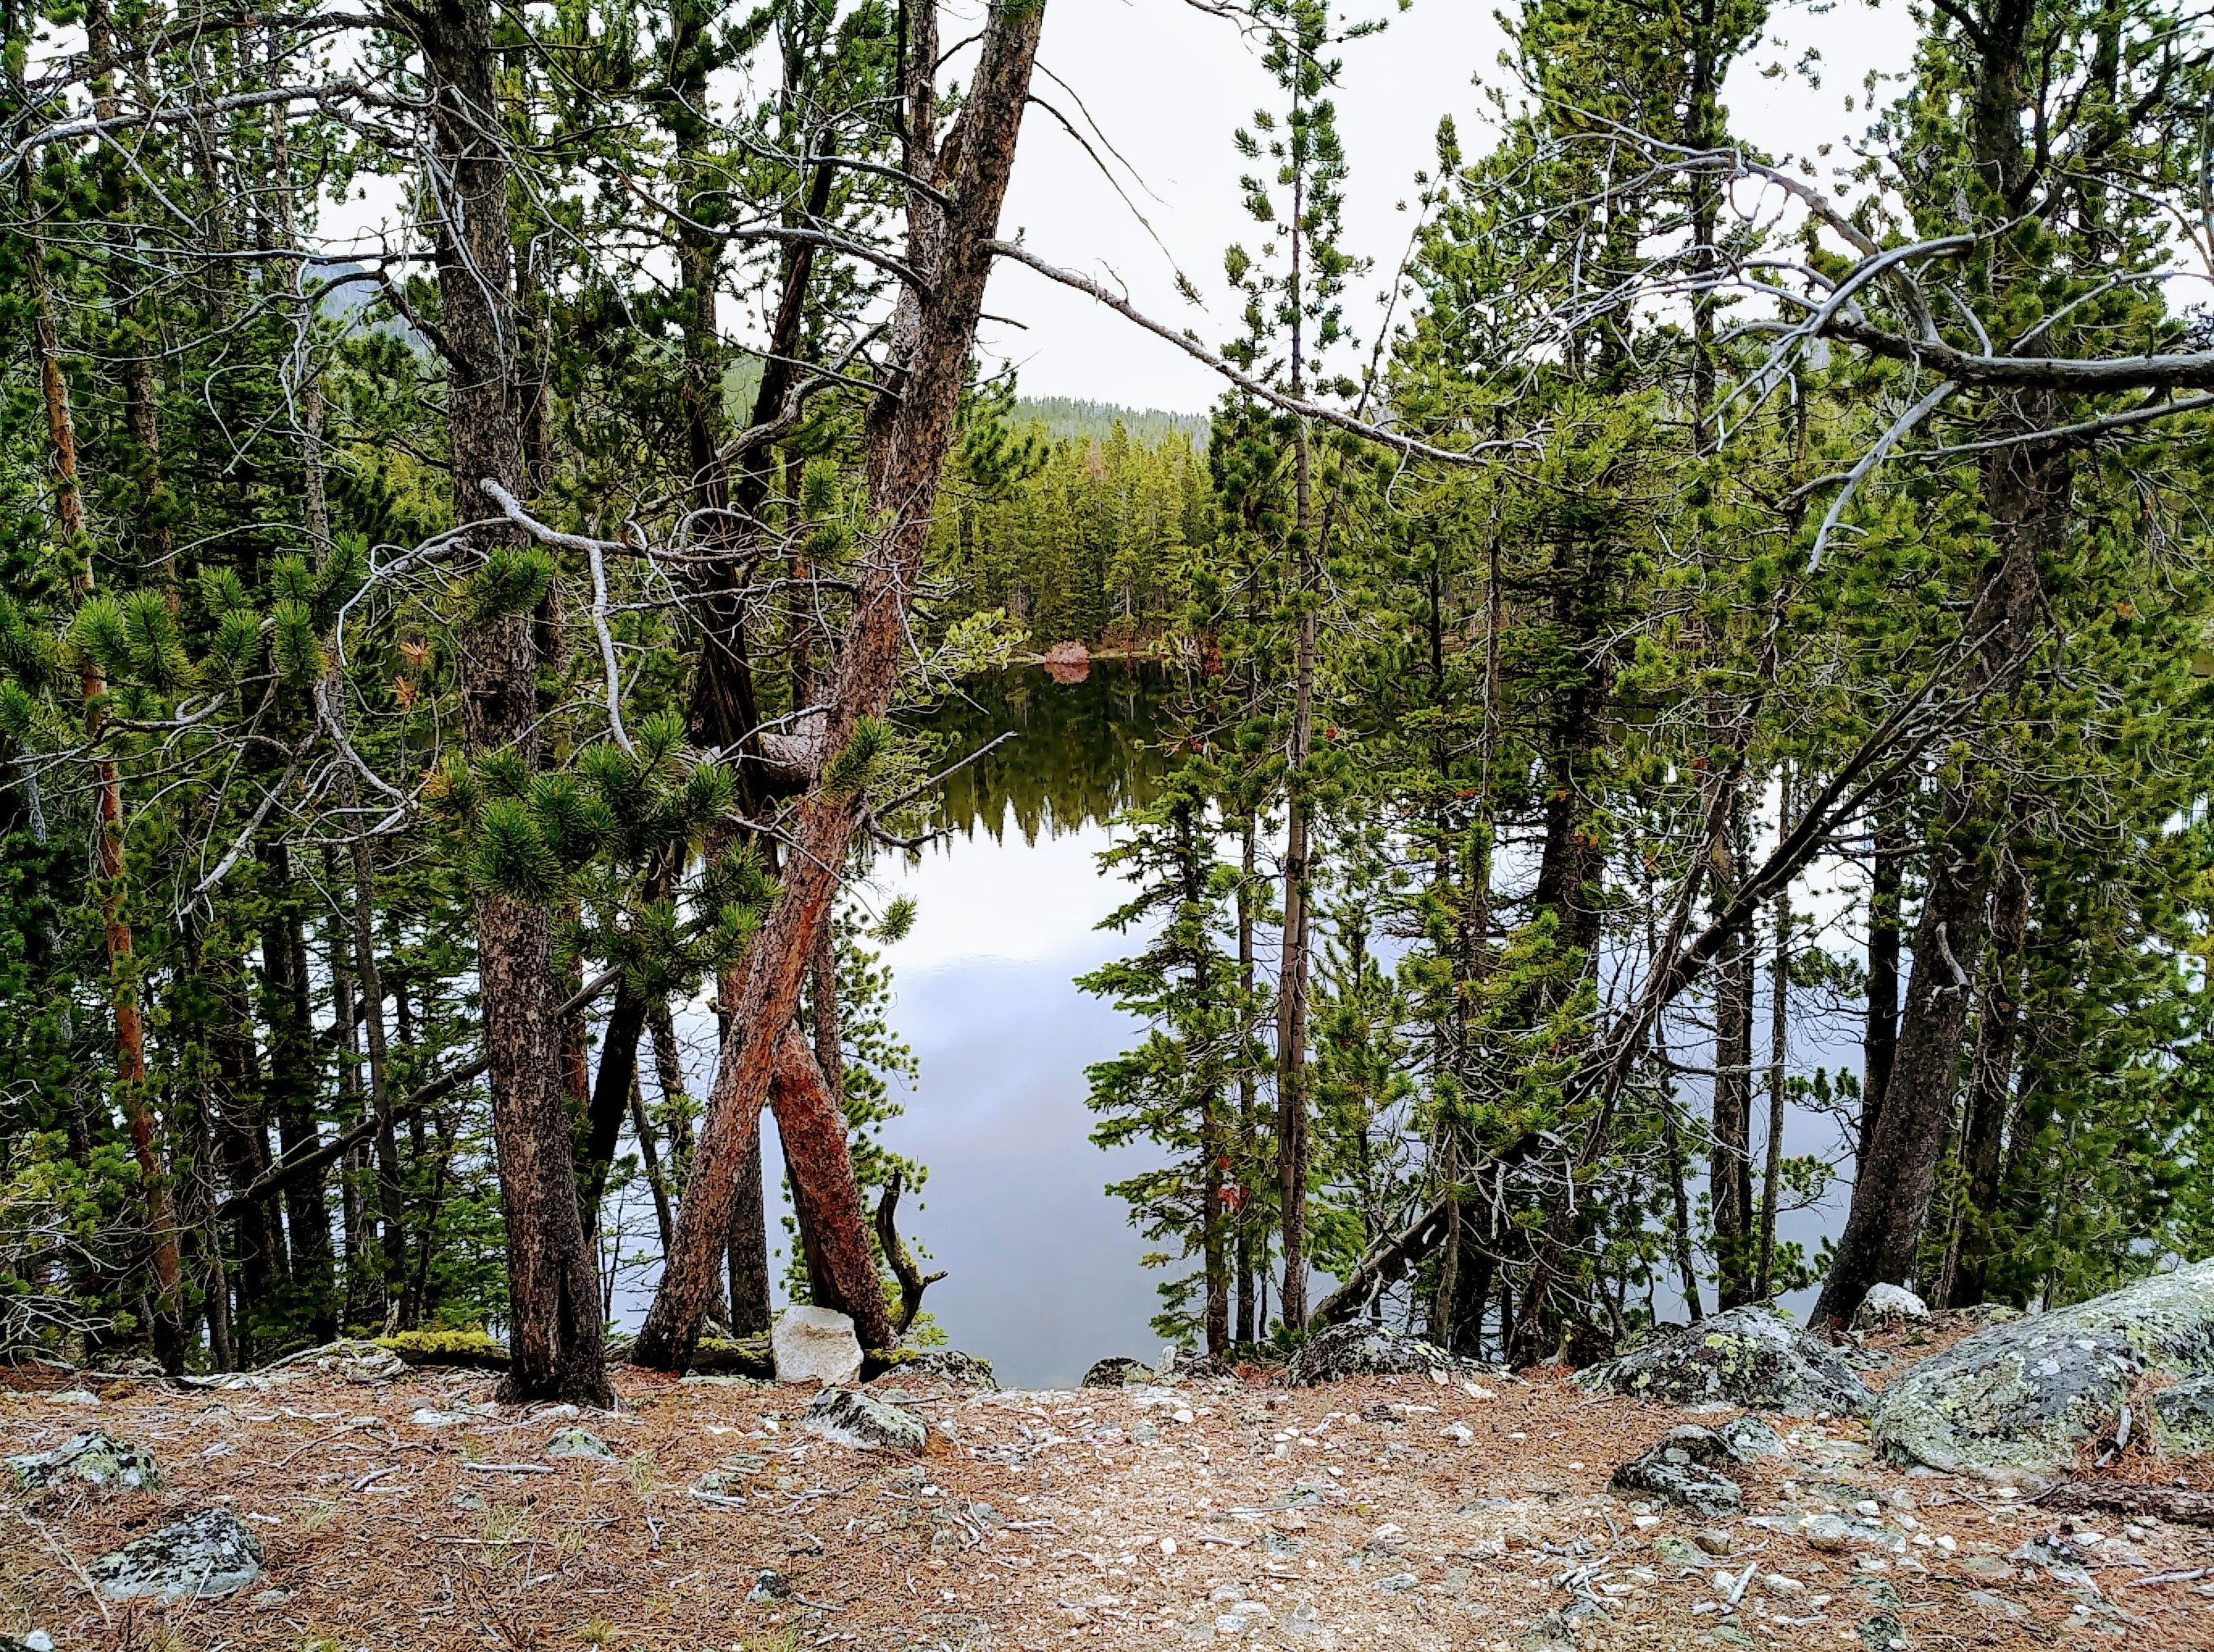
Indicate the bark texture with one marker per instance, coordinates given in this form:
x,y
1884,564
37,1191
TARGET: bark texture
x,y
907,444
555,1333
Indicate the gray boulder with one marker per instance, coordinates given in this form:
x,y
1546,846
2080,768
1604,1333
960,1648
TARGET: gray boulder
x,y
90,1459
1114,1372
2018,1398
1750,1357
815,1345
1363,1348
203,1558
850,1417
1682,1470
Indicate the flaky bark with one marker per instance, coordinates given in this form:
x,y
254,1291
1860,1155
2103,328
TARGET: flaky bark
x,y
907,446
555,1333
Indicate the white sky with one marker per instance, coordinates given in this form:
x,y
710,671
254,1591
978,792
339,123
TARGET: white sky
x,y
1168,85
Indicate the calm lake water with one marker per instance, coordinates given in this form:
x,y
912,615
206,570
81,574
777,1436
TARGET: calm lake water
x,y
1044,1275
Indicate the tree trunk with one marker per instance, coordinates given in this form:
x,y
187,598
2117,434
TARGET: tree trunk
x,y
610,1102
1730,1166
1779,1054
825,1194
130,1085
2028,489
1887,877
555,1332
907,443
1990,1092
1247,1327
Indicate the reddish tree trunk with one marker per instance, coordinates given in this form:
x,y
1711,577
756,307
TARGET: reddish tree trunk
x,y
908,440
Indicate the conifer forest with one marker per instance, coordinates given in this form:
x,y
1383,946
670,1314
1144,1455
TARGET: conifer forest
x,y
1684,735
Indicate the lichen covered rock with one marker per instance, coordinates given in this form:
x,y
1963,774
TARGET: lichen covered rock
x,y
850,1417
1363,1348
579,1443
932,1365
1114,1371
2184,1415
1750,1357
2018,1400
203,1558
91,1460
1682,1469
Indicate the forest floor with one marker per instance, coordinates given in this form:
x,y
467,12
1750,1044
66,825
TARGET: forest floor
x,y
414,1515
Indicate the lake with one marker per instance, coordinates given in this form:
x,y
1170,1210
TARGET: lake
x,y
1044,1275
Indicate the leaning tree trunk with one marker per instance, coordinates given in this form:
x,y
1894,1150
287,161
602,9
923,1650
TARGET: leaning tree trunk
x,y
555,1333
951,246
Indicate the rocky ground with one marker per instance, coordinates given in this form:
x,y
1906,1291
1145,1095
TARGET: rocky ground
x,y
402,1510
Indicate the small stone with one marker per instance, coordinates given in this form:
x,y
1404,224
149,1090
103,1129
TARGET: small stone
x,y
1749,1439
1886,1306
769,1586
1398,1583
848,1416
1459,1433
1675,1552
430,1416
1168,1546
1714,1540
1996,1604
1782,1586
83,1397
815,1345
1883,1633
37,1641
1835,1534
203,1558
579,1443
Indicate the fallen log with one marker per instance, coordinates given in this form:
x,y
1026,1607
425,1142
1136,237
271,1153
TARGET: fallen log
x,y
2185,1508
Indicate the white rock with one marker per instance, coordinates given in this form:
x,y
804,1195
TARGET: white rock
x,y
815,1345
1888,1305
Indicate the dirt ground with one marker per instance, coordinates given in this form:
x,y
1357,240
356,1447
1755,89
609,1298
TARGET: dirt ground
x,y
413,1514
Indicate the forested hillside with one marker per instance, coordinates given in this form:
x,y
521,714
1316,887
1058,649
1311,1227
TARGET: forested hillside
x,y
1697,703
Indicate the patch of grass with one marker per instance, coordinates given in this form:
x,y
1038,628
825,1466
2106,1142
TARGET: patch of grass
x,y
502,1526
321,1515
638,1470
597,1632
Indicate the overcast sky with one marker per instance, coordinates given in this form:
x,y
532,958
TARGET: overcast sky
x,y
1168,85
